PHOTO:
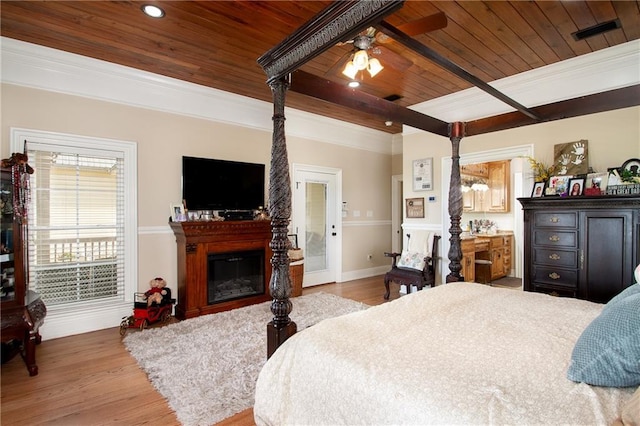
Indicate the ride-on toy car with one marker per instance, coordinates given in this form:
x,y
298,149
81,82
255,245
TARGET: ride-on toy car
x,y
145,315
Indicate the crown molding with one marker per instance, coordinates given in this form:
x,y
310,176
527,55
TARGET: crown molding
x,y
600,71
39,67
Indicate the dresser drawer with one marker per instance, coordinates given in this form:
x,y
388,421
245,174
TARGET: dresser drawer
x,y
555,219
544,237
552,257
555,291
555,276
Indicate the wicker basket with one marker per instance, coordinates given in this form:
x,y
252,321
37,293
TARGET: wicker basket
x,y
297,272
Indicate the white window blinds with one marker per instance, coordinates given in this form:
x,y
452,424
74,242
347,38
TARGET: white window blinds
x,y
76,225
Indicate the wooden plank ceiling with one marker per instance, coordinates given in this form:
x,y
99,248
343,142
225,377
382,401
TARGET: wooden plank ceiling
x,y
217,43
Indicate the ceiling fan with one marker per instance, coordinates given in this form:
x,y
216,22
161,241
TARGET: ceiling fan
x,y
369,53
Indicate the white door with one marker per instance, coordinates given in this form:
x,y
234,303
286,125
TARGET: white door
x,y
315,221
396,213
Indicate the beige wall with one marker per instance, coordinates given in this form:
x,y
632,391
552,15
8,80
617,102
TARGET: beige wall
x,y
613,137
163,138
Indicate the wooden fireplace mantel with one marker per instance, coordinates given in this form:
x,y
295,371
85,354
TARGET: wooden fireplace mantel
x,y
196,240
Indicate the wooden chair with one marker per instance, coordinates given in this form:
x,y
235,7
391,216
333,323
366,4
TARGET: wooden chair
x,y
416,265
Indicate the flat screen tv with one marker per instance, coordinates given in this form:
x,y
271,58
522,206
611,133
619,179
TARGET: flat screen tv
x,y
210,184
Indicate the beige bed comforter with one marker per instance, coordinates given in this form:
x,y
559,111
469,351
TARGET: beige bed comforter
x,y
459,353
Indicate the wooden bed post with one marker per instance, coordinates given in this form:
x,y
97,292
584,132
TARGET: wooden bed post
x,y
340,21
280,328
456,133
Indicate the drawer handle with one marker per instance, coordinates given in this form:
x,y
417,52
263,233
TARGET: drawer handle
x,y
554,256
554,276
554,220
554,238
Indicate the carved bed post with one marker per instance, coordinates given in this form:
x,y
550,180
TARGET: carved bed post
x,y
456,133
339,21
281,327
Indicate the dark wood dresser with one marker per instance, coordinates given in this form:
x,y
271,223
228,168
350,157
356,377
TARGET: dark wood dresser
x,y
583,247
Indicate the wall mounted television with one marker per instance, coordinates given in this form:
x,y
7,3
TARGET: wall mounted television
x,y
210,184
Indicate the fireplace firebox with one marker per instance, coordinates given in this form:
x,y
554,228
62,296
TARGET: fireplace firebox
x,y
235,275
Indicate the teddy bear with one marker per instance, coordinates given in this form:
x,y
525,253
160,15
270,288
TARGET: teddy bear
x,y
156,293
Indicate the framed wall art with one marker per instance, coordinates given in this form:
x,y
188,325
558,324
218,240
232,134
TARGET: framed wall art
x,y
571,158
415,207
423,174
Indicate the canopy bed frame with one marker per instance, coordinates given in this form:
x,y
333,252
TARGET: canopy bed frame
x,y
342,21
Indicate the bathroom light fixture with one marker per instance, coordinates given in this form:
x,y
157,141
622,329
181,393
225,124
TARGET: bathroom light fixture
x,y
474,184
152,11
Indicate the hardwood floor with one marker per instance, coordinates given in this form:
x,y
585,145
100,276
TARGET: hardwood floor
x,y
90,379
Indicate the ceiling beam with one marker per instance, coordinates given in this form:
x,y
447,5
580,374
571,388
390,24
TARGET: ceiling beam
x,y
590,104
319,88
448,65
340,21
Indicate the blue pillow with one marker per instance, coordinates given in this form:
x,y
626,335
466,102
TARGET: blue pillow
x,y
629,291
608,351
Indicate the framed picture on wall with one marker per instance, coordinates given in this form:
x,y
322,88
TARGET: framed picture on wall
x,y
415,207
423,174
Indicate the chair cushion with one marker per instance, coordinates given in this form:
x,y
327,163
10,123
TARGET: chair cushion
x,y
411,259
608,351
421,241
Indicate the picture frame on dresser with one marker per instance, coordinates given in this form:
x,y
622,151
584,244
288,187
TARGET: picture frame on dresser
x,y
557,185
576,187
597,181
177,212
538,189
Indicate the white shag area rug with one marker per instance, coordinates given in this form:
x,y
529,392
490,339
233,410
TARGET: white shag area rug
x,y
207,367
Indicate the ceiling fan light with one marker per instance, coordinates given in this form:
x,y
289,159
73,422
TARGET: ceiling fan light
x,y
374,67
361,59
350,70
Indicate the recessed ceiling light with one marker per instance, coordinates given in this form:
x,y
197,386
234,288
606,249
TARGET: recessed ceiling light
x,y
153,11
354,83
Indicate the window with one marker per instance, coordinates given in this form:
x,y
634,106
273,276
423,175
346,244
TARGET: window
x,y
76,226
82,227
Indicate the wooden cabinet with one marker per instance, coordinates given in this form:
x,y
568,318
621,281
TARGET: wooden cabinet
x,y
500,249
493,248
507,247
498,194
496,175
468,259
584,247
22,311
